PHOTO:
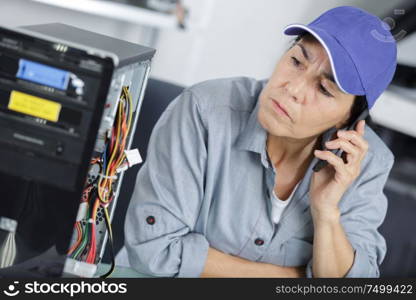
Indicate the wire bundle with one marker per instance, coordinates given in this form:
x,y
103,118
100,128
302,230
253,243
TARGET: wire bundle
x,y
8,251
100,193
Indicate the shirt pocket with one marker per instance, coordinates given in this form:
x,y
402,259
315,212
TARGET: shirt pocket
x,y
297,252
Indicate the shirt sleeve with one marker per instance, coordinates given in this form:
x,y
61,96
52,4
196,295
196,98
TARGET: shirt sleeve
x,y
362,211
159,230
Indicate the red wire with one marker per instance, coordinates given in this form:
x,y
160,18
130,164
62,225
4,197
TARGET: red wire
x,y
91,253
93,247
112,140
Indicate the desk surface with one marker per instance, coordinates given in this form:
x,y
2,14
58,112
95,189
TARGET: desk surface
x,y
120,272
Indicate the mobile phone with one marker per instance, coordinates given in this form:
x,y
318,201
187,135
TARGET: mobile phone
x,y
328,136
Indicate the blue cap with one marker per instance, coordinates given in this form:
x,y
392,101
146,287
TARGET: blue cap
x,y
360,47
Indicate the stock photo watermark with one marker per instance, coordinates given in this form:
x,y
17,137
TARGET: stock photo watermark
x,y
389,24
68,288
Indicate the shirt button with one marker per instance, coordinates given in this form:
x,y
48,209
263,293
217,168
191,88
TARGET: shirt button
x,y
150,220
259,242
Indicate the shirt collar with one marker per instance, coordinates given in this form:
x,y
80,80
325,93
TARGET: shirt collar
x,y
253,137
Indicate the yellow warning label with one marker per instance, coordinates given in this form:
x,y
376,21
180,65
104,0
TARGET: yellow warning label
x,y
34,106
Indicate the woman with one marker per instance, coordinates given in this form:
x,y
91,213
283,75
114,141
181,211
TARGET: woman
x,y
228,188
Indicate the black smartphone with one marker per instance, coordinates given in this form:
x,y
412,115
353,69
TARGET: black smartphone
x,y
328,136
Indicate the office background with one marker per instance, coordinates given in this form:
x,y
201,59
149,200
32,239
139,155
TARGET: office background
x,y
220,38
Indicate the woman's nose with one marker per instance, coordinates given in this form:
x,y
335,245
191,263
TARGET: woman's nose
x,y
296,89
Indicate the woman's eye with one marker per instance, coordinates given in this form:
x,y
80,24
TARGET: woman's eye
x,y
295,61
324,91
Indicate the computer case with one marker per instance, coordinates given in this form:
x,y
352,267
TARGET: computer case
x,y
66,94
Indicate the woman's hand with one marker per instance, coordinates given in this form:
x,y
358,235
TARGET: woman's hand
x,y
329,184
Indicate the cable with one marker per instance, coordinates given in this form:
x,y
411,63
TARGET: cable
x,y
99,193
78,241
82,235
8,250
110,240
103,184
117,156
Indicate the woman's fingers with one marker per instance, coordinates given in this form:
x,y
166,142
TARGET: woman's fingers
x,y
360,128
355,138
354,145
353,152
332,159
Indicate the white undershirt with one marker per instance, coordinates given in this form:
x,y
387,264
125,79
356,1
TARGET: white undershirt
x,y
278,205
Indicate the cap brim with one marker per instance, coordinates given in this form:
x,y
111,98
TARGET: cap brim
x,y
344,70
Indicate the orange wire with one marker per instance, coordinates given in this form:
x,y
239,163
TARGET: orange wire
x,y
92,252
78,239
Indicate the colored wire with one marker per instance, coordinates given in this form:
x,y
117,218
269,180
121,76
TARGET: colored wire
x,y
99,193
111,242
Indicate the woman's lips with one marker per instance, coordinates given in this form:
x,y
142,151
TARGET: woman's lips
x,y
280,109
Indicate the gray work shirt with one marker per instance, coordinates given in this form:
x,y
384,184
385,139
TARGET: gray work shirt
x,y
207,182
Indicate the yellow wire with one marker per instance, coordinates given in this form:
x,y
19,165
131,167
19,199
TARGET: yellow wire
x,y
111,158
130,110
110,231
130,117
126,96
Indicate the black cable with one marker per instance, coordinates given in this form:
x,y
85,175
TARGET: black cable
x,y
110,239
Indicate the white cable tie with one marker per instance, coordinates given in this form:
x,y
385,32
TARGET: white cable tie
x,y
90,220
107,177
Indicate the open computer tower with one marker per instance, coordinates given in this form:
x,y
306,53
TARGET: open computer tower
x,y
69,103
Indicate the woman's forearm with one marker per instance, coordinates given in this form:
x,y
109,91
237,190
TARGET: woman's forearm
x,y
333,254
219,264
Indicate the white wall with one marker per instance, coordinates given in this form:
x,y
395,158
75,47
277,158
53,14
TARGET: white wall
x,y
15,13
241,37
225,37
406,51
